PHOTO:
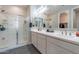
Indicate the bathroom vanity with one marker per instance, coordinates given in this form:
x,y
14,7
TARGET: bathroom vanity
x,y
60,25
54,43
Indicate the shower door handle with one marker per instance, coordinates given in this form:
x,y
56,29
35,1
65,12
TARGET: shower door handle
x,y
16,37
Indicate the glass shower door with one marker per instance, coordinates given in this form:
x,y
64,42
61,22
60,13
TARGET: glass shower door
x,y
16,30
22,30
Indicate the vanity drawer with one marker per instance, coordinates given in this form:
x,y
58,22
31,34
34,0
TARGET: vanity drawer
x,y
69,46
41,36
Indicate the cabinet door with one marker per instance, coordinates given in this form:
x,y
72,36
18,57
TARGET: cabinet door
x,y
20,30
53,48
34,39
41,43
67,45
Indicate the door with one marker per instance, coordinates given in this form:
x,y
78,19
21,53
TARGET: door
x,y
22,30
11,33
54,47
41,43
34,39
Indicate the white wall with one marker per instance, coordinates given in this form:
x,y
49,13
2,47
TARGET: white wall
x,y
14,10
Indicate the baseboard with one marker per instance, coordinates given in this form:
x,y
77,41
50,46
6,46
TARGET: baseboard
x,y
12,47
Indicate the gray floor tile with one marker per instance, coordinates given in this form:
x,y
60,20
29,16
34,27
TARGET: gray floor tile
x,y
27,49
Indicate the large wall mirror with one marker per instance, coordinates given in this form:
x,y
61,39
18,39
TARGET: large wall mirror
x,y
56,17
37,22
63,19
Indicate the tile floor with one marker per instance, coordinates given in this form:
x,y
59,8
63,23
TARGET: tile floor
x,y
27,49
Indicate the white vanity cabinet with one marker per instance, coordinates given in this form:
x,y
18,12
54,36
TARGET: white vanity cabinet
x,y
60,46
54,48
54,45
34,39
72,47
41,43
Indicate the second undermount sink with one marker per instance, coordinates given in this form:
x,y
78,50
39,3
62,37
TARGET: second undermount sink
x,y
49,30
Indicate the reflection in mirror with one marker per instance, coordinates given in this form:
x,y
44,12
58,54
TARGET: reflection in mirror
x,y
76,18
63,20
38,22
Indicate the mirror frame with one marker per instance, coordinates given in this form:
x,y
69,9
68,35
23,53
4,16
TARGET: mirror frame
x,y
72,11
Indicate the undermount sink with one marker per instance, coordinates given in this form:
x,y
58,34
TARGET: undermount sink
x,y
49,30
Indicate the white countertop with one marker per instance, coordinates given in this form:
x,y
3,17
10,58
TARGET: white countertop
x,y
71,38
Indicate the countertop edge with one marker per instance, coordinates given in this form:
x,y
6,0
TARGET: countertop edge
x,y
59,38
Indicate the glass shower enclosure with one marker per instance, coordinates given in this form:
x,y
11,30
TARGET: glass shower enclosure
x,y
15,30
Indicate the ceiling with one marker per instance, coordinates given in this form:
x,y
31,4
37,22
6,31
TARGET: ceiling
x,y
23,6
53,9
